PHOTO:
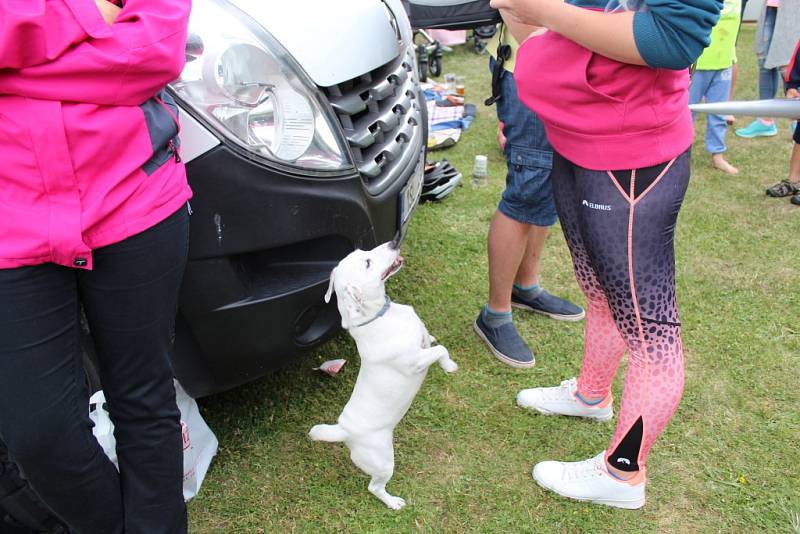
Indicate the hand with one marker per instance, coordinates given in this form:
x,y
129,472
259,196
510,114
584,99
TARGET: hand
x,y
109,11
792,93
501,136
531,12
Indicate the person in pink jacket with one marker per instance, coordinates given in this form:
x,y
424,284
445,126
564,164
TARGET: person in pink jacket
x,y
93,215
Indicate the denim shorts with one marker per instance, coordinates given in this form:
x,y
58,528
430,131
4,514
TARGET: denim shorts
x,y
528,197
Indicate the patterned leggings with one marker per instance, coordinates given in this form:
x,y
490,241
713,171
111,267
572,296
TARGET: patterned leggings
x,y
619,227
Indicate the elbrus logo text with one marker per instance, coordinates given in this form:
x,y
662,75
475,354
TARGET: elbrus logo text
x,y
592,205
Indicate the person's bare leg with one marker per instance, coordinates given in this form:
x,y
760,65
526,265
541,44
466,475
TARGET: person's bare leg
x,y
528,272
719,162
507,243
794,164
528,294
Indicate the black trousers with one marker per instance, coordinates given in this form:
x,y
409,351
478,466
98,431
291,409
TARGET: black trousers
x,y
130,299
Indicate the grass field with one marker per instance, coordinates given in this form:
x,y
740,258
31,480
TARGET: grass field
x,y
727,463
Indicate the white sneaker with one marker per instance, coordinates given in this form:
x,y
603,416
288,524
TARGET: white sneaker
x,y
561,400
590,480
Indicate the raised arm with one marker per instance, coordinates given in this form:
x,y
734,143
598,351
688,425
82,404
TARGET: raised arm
x,y
143,51
669,34
33,32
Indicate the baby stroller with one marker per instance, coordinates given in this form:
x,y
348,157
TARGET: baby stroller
x,y
450,14
474,15
429,55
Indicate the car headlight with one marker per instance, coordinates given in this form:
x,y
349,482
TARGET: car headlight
x,y
401,18
245,85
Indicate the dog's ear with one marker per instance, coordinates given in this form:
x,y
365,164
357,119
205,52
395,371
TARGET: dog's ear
x,y
330,286
351,305
355,302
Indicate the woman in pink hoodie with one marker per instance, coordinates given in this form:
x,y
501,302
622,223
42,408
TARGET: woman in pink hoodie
x,y
93,215
610,82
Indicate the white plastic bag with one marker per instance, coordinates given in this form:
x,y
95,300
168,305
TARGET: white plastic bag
x,y
199,443
103,427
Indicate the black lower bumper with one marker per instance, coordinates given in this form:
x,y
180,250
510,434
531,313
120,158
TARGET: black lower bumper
x,y
263,244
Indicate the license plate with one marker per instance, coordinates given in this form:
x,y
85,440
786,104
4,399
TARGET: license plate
x,y
409,196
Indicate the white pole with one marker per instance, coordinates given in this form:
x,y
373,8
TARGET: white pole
x,y
786,108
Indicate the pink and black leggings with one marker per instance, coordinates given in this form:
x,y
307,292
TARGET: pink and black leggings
x,y
619,227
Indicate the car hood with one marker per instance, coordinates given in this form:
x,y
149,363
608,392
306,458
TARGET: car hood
x,y
332,40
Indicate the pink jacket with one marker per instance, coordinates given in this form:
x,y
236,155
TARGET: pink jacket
x,y
602,114
88,138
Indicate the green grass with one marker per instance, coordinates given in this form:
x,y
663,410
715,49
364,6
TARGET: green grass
x,y
728,462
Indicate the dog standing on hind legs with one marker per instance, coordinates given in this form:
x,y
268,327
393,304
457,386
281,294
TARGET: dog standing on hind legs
x,y
395,350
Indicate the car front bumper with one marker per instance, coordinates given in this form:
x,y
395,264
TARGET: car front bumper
x,y
262,246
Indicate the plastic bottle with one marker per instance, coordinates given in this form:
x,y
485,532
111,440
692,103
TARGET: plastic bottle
x,y
480,171
450,82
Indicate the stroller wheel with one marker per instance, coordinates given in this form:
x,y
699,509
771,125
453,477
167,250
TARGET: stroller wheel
x,y
436,66
422,62
485,32
436,61
478,45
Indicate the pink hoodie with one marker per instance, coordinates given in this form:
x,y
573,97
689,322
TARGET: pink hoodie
x,y
87,136
602,114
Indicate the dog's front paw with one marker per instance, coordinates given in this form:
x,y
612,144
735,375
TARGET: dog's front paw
x,y
395,503
449,366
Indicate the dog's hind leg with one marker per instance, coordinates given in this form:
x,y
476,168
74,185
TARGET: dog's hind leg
x,y
376,458
377,486
329,433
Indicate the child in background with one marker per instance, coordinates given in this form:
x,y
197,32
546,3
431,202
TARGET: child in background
x,y
776,36
524,216
712,80
791,186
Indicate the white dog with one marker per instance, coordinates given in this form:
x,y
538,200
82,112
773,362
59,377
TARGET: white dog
x,y
395,350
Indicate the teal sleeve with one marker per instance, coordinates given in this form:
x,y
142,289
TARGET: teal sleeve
x,y
672,34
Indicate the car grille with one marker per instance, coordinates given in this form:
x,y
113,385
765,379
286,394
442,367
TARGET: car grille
x,y
381,115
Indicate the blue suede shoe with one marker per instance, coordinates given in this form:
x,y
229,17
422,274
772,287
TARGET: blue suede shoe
x,y
550,305
505,343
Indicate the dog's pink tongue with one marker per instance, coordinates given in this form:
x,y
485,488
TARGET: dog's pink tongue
x,y
331,367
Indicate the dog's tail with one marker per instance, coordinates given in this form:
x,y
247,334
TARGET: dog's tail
x,y
330,433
